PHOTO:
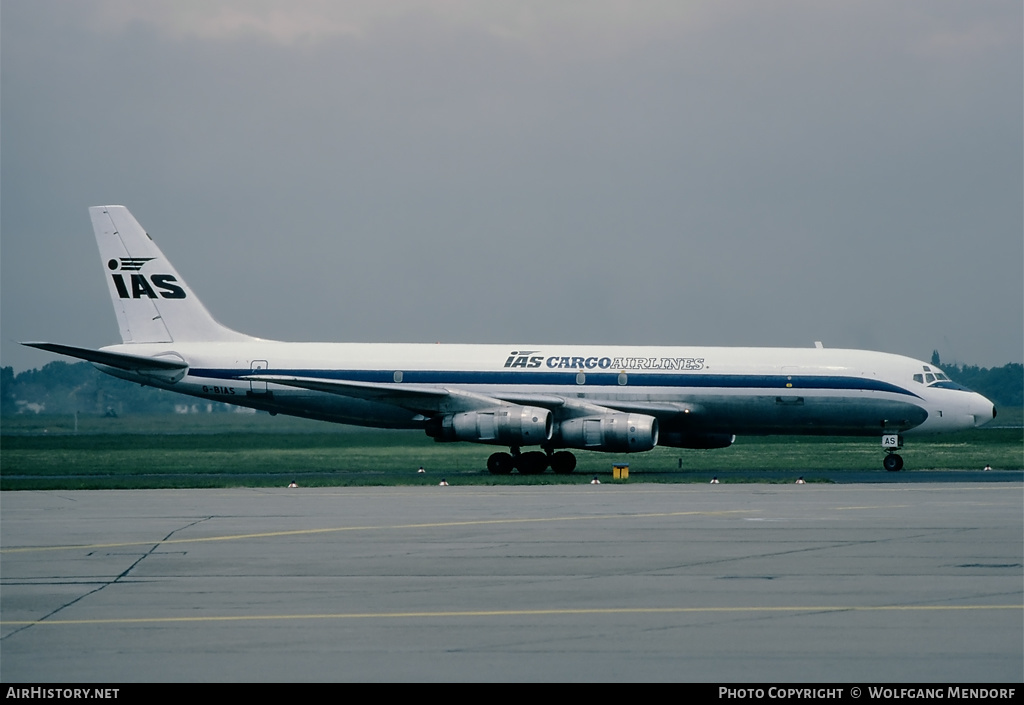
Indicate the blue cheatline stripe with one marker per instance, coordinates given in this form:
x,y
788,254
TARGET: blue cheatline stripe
x,y
568,379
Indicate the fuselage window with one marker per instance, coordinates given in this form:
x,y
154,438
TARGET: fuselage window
x,y
919,379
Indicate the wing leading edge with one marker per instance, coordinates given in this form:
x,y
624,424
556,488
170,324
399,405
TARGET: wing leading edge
x,y
430,401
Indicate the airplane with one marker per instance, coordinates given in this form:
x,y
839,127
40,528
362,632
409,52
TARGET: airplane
x,y
546,399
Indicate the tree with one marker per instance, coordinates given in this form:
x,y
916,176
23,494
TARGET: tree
x,y
7,402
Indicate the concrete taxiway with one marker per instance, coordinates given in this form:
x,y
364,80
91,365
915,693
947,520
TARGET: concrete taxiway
x,y
726,583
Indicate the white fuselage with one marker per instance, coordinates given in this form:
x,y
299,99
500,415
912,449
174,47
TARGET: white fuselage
x,y
689,389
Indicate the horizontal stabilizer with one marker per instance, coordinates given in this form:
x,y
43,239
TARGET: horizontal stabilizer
x,y
121,361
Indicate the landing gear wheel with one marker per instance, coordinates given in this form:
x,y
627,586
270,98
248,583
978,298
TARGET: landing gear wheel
x,y
893,462
500,464
532,463
563,462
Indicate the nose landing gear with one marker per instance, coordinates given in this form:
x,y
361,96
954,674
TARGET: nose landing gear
x,y
893,462
892,442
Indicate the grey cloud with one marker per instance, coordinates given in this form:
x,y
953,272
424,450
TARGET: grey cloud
x,y
721,174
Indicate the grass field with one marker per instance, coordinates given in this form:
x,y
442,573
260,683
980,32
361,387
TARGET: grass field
x,y
235,450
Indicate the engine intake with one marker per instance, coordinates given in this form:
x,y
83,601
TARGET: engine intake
x,y
504,425
612,433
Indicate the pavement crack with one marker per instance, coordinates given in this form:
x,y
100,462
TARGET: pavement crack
x,y
145,555
107,583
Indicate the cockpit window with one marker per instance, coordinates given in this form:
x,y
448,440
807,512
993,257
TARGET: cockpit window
x,y
936,378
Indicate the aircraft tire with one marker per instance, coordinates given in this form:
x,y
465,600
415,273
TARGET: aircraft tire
x,y
563,462
893,462
532,463
500,464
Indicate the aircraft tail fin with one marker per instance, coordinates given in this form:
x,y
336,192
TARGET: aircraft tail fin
x,y
152,302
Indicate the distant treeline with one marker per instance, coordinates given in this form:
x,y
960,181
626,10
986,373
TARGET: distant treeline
x,y
65,388
1003,385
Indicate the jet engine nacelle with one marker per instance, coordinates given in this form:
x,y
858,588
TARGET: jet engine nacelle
x,y
613,433
503,425
702,441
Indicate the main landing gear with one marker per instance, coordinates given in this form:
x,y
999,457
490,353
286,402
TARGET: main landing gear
x,y
892,442
532,463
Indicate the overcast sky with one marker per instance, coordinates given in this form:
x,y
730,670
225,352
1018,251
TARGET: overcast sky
x,y
528,172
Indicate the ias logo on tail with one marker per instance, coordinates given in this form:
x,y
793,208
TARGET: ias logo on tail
x,y
128,264
163,285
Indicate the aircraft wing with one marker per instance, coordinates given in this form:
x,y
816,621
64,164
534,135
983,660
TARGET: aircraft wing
x,y
422,399
567,407
430,400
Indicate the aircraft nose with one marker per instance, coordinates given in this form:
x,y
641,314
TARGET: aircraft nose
x,y
983,410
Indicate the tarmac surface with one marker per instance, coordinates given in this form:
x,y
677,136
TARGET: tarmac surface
x,y
728,583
